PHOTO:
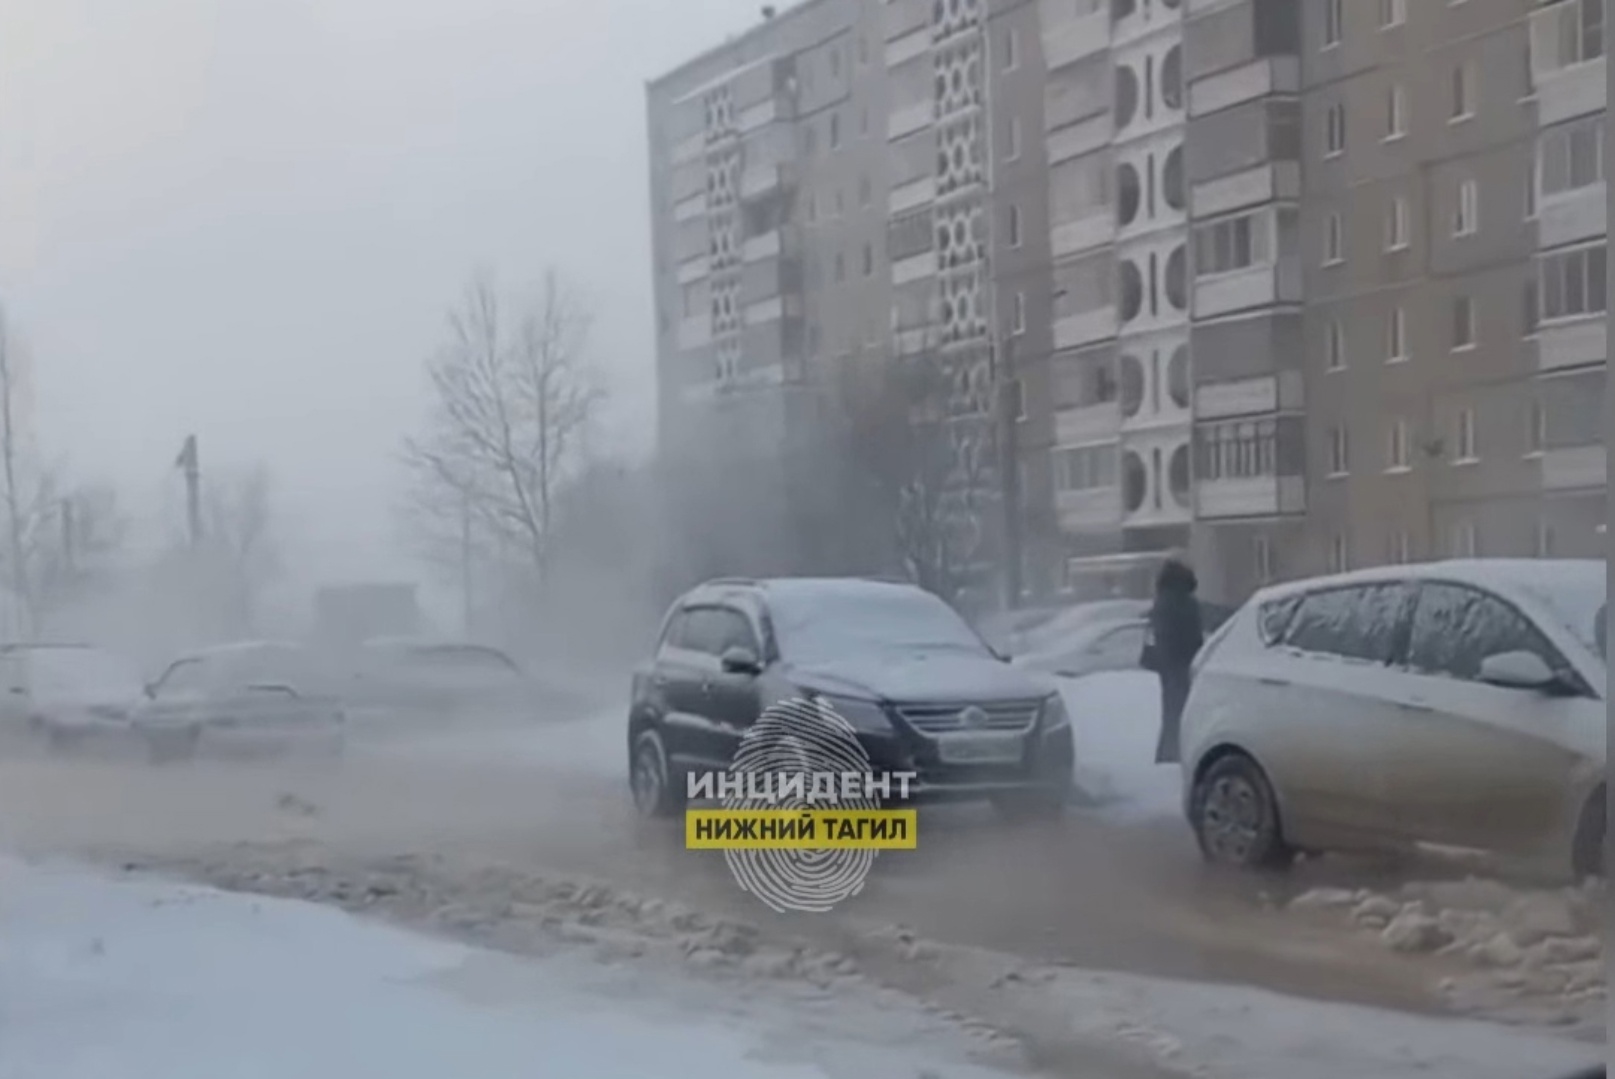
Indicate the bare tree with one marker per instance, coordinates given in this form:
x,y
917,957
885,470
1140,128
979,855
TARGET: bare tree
x,y
927,468
72,544
240,549
511,402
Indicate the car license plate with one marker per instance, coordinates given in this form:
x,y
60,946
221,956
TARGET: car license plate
x,y
980,748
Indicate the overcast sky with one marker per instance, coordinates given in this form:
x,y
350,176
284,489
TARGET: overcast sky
x,y
244,218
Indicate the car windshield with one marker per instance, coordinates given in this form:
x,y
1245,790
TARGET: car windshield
x,y
81,671
833,623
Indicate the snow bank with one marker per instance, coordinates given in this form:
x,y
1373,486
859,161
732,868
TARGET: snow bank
x,y
1116,717
159,981
1534,955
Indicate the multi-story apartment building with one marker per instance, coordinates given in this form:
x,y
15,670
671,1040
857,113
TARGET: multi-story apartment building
x,y
1296,284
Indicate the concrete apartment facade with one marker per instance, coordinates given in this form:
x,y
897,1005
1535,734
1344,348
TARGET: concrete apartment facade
x,y
1295,284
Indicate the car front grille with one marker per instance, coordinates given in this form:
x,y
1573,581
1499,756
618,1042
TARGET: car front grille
x,y
1015,716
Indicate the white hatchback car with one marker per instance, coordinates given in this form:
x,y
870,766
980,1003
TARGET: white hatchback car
x,y
1460,704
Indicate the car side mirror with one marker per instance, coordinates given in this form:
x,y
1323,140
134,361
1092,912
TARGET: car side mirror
x,y
1519,670
149,689
740,660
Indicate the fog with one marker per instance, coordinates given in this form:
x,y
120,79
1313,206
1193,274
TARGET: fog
x,y
246,219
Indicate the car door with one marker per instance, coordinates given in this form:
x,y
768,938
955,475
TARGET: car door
x,y
1324,710
686,669
1474,764
1115,649
735,698
179,695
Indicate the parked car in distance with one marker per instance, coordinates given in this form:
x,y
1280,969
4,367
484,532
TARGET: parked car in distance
x,y
923,692
1112,645
69,693
1457,703
247,699
412,679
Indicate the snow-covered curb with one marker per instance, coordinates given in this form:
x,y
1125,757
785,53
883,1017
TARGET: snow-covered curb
x,y
1062,1019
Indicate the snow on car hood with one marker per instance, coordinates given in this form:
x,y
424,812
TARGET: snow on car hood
x,y
930,675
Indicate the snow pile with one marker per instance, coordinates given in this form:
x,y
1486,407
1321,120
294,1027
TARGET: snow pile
x,y
1536,955
1116,718
158,981
1063,1020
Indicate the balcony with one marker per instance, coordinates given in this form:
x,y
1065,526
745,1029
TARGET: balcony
x,y
763,180
1577,342
1575,467
1572,216
1072,237
1098,509
1263,285
1259,78
1250,496
1277,181
1092,423
1081,329
692,270
1067,39
907,119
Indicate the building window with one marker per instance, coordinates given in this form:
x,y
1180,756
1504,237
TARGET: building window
x,y
1565,35
1400,548
835,130
1572,283
1571,157
1464,438
1464,541
866,192
1262,558
1334,130
1018,319
869,260
1545,540
1396,446
1466,213
1536,428
1013,226
1012,139
1234,243
1339,553
1334,240
841,267
1464,79
1396,224
1085,468
1392,13
1463,323
1396,118
1334,345
1339,452
1396,336
1012,49
1334,18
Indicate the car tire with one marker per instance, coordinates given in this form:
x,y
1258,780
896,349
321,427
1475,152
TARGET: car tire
x,y
650,779
1588,851
1040,804
1236,817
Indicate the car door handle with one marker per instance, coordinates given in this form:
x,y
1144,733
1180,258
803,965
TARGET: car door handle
x,y
706,687
1270,681
1414,706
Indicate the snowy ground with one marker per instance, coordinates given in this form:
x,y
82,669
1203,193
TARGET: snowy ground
x,y
158,981
149,980
1116,717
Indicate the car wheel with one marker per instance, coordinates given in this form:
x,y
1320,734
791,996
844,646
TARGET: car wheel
x,y
1588,851
1236,817
650,780
1036,804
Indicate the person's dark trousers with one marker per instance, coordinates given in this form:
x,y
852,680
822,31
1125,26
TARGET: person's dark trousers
x,y
1174,692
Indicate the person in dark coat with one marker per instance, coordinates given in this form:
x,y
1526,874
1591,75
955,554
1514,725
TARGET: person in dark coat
x,y
1175,636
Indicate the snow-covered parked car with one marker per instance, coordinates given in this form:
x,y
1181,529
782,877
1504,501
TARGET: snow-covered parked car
x,y
1113,645
71,694
1460,704
406,680
247,699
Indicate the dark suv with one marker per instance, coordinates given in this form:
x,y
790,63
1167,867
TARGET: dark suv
x,y
923,691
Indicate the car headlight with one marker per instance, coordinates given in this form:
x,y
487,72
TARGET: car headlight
x,y
1054,716
865,717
